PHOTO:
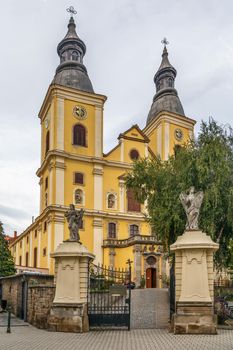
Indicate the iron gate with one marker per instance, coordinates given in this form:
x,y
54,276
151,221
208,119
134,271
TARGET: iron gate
x,y
109,294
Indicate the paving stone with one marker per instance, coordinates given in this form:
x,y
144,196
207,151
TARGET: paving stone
x,y
30,338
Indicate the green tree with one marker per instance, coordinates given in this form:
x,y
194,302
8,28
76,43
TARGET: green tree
x,y
207,164
7,267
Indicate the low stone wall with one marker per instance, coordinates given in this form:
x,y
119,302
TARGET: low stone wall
x,y
150,308
40,299
15,290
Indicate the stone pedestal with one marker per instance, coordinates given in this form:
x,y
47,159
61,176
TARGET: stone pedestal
x,y
69,309
194,284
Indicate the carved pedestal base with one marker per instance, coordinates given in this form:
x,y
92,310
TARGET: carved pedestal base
x,y
194,284
69,309
68,318
194,318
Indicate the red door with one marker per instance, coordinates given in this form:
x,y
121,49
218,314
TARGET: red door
x,y
151,278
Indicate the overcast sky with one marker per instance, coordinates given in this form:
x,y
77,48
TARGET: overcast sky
x,y
123,39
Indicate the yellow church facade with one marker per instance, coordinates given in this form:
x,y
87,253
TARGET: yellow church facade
x,y
75,170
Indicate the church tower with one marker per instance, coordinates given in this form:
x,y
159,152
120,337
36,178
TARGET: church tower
x,y
71,146
167,124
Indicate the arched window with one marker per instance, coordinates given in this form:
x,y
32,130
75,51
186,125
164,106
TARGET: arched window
x,y
111,201
79,135
78,196
74,56
35,258
47,142
111,230
133,204
134,155
133,230
170,82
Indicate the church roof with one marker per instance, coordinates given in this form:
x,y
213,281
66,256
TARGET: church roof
x,y
166,97
71,71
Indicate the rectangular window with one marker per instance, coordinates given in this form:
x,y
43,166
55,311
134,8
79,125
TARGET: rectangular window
x,y
44,252
112,230
20,260
78,179
27,239
35,233
26,259
133,204
45,226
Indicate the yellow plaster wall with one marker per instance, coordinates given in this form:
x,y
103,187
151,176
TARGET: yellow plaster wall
x,y
173,140
115,154
88,123
86,168
130,145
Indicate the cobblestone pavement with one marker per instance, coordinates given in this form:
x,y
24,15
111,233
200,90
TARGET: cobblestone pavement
x,y
30,338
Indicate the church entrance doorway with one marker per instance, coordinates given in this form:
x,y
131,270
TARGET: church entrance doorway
x,y
151,277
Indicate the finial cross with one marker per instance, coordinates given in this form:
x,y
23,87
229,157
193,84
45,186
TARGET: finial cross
x,y
71,10
165,42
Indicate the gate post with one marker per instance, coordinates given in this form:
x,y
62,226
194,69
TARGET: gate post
x,y
69,309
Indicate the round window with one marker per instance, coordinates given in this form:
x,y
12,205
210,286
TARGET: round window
x,y
151,260
134,155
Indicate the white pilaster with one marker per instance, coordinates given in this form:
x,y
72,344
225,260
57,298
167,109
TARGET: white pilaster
x,y
50,188
98,132
60,180
159,140
98,240
121,196
166,140
51,125
58,233
98,187
60,123
122,149
49,235
39,248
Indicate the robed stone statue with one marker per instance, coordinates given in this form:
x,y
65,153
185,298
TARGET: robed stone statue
x,y
74,219
191,202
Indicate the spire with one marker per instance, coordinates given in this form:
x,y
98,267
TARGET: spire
x,y
166,97
71,71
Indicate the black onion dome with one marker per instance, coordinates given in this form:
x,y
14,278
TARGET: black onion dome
x,y
71,71
166,97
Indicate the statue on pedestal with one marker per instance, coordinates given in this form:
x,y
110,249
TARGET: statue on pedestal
x,y
74,219
192,204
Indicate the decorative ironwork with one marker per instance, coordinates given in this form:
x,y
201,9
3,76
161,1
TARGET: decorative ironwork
x,y
165,42
71,10
109,295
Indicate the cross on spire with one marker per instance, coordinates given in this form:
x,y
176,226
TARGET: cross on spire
x,y
165,42
71,10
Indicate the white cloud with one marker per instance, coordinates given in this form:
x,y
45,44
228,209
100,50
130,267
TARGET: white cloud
x,y
123,53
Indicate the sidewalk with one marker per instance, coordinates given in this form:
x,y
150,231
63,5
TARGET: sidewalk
x,y
30,338
15,322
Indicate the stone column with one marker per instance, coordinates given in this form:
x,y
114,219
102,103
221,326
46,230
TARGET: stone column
x,y
69,309
194,283
137,264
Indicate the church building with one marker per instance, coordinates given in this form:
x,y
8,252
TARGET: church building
x,y
75,170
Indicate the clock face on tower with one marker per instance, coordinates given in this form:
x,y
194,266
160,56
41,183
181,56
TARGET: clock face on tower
x,y
179,134
80,112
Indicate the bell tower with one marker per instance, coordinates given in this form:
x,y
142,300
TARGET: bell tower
x,y
71,141
167,124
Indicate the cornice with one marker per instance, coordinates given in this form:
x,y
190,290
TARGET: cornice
x,y
169,117
70,93
88,159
